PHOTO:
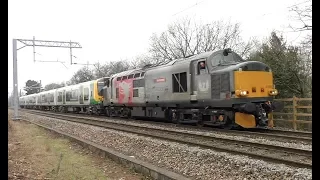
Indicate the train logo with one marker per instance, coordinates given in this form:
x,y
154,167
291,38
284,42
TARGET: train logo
x,y
203,86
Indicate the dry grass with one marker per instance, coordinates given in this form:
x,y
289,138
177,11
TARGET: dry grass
x,y
35,153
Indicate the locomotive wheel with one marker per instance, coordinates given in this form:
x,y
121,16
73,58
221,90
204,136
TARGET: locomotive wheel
x,y
176,121
228,125
175,118
107,112
129,113
200,123
172,116
178,118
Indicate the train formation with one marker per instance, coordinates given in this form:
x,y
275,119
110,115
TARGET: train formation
x,y
217,88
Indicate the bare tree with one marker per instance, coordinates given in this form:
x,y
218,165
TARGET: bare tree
x,y
303,14
114,67
141,61
100,70
184,38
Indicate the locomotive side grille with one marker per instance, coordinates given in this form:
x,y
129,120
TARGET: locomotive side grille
x,y
215,84
225,82
219,83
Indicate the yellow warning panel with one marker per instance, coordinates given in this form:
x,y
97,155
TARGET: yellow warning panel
x,y
245,120
255,83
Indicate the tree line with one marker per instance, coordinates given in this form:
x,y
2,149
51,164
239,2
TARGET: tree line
x,y
291,65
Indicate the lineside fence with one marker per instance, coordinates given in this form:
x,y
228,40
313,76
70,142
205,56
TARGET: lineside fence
x,y
297,114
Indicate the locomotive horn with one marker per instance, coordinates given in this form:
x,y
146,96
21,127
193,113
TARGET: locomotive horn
x,y
226,51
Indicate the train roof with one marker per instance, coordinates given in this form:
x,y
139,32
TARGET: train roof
x,y
125,73
180,60
52,90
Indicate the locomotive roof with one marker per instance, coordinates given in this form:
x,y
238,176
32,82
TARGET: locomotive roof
x,y
124,73
197,56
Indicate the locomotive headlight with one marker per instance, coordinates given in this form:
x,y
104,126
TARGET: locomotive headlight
x,y
241,93
273,92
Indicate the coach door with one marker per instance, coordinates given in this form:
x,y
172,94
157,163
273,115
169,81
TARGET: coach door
x,y
200,79
81,94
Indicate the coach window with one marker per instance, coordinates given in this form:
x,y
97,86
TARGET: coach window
x,y
118,78
74,95
142,74
86,94
51,98
59,96
130,76
68,95
124,77
43,99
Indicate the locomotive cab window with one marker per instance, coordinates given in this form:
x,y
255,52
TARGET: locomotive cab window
x,y
216,60
107,82
202,67
100,87
226,58
136,75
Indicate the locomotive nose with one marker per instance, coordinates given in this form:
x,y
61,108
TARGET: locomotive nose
x,y
253,80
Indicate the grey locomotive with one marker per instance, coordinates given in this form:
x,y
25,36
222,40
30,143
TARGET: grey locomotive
x,y
214,88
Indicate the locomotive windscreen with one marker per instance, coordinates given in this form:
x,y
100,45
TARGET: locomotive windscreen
x,y
226,59
101,83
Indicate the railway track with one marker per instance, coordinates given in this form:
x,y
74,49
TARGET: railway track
x,y
298,134
278,154
278,135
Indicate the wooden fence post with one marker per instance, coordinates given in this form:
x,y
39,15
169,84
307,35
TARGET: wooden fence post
x,y
294,104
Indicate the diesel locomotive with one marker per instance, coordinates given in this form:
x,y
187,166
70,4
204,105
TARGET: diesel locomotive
x,y
213,88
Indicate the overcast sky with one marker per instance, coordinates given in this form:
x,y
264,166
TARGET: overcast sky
x,y
120,29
